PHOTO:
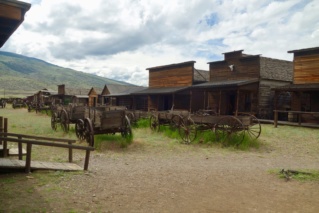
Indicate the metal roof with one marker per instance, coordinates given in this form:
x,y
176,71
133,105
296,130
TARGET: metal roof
x,y
226,83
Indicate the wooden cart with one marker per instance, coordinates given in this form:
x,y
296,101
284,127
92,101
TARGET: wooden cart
x,y
104,121
224,127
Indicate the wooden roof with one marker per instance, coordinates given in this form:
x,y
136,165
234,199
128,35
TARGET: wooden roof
x,y
305,50
201,75
171,66
116,89
164,90
76,91
298,87
11,16
227,83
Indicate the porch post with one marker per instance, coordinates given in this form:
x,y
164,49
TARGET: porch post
x,y
220,100
190,101
237,103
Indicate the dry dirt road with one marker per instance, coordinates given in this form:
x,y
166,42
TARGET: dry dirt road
x,y
155,174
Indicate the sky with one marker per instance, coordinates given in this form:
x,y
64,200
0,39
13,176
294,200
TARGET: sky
x,y
121,39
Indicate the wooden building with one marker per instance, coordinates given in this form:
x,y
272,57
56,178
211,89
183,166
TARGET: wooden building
x,y
169,86
67,96
95,97
121,95
43,96
304,91
11,16
243,83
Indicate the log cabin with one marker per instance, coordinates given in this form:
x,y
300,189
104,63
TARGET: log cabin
x,y
304,91
169,86
243,83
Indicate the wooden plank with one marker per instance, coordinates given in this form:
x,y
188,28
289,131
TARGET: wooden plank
x,y
6,163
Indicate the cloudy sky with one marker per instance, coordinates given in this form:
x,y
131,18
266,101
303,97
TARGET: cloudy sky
x,y
120,39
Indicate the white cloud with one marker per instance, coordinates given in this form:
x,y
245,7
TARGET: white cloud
x,y
120,39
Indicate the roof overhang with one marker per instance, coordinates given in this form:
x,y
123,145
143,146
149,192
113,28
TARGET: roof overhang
x,y
11,16
159,91
225,84
298,88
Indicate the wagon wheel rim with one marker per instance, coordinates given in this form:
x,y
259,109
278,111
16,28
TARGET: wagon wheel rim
x,y
79,129
188,131
154,123
54,121
254,130
64,121
88,132
131,117
127,131
176,121
229,129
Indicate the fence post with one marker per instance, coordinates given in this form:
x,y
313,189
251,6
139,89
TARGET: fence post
x,y
1,127
5,144
87,158
28,158
70,153
20,148
276,118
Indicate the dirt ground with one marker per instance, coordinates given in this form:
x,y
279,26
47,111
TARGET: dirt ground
x,y
165,176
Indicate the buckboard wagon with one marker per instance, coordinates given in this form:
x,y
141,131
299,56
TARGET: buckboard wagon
x,y
66,115
103,120
225,127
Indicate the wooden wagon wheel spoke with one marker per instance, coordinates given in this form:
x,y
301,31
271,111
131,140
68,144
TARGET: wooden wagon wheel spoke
x,y
229,129
127,131
254,129
79,129
154,123
54,121
188,131
88,132
176,121
64,121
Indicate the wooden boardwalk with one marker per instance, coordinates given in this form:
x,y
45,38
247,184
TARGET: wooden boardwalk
x,y
13,164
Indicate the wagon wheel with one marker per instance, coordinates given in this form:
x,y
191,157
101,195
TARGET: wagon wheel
x,y
54,121
254,129
154,123
131,117
127,131
188,130
64,121
79,129
176,121
229,129
88,133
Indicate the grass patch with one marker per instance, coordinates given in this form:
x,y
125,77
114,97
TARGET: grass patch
x,y
299,175
106,141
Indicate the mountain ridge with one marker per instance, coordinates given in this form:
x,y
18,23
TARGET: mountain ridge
x,y
21,75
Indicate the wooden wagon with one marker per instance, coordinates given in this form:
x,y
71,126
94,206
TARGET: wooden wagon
x,y
66,115
225,127
103,120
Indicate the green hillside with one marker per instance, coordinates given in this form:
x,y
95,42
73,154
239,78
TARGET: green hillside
x,y
21,75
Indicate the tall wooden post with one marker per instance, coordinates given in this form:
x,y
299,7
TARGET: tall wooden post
x,y
5,130
220,101
237,103
190,100
1,127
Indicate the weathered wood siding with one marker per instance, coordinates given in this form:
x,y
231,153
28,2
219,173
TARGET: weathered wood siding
x,y
244,68
93,97
11,12
171,77
306,68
